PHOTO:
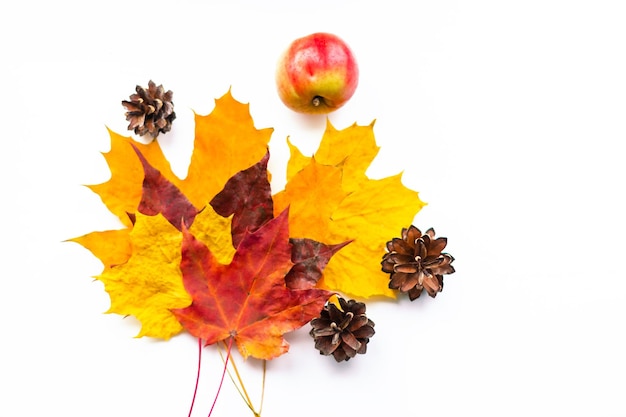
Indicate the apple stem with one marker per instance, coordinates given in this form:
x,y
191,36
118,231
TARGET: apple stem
x,y
317,100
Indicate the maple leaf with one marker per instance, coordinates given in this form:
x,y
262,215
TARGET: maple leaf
x,y
159,195
112,247
122,192
312,196
247,196
331,199
225,143
309,258
149,284
246,299
353,149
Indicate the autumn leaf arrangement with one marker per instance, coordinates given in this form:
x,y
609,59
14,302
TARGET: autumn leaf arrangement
x,y
223,257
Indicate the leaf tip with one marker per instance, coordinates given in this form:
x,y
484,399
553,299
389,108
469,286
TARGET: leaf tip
x,y
329,126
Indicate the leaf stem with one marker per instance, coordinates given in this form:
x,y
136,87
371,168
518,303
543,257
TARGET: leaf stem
x,y
241,388
230,344
263,387
195,390
232,379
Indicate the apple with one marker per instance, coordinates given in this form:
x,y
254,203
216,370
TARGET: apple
x,y
317,74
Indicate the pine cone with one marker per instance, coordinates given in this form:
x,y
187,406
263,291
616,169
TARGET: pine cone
x,y
150,111
342,332
415,262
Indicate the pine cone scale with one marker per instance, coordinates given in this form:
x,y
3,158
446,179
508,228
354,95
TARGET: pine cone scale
x,y
431,284
364,332
349,339
399,245
401,258
358,322
414,293
325,346
411,234
438,245
408,268
403,282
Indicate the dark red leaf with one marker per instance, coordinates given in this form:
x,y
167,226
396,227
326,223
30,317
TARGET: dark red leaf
x,y
310,259
247,196
159,195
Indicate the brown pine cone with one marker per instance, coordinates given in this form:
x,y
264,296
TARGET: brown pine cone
x,y
150,111
342,332
415,262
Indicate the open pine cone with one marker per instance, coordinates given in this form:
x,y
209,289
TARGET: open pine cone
x,y
415,262
150,111
342,332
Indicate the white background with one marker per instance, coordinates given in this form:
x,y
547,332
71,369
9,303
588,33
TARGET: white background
x,y
509,117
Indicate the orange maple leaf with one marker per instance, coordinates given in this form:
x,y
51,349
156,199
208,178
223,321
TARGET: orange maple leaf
x,y
331,199
122,192
247,299
112,247
225,143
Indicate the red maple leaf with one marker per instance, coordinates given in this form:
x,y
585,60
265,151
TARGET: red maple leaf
x,y
248,299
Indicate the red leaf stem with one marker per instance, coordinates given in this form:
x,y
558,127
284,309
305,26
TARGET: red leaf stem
x,y
230,344
195,390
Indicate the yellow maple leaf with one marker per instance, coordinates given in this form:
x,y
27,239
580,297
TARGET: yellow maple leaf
x,y
149,285
215,232
331,199
312,196
353,149
297,160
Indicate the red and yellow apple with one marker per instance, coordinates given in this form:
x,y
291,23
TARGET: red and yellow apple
x,y
317,74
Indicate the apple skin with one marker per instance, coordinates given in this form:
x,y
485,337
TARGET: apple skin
x,y
317,74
